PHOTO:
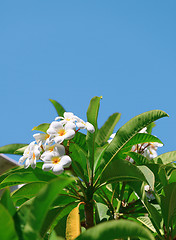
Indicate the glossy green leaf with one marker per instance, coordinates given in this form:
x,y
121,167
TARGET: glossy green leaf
x,y
80,139
138,158
79,161
166,158
172,177
168,205
120,229
11,148
20,151
128,131
41,205
99,152
92,115
150,127
106,130
54,216
154,215
22,175
147,222
101,212
29,190
121,170
42,127
59,108
7,227
54,236
140,138
149,176
7,202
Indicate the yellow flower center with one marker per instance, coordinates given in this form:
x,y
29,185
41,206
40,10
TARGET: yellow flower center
x,y
46,136
33,156
62,132
67,119
51,148
55,160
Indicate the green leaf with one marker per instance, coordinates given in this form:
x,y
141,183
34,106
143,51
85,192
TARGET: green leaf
x,y
79,161
128,131
101,211
147,222
7,228
29,190
172,177
42,127
116,230
121,170
20,151
59,108
92,115
168,205
41,205
165,158
140,138
7,202
55,214
54,236
11,148
106,130
99,152
138,158
150,177
150,127
26,176
80,139
154,215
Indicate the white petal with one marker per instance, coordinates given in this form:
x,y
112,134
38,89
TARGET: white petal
x,y
68,115
21,160
81,125
59,118
58,169
65,161
59,139
70,125
33,164
51,131
56,125
60,149
90,127
47,156
47,166
69,134
27,163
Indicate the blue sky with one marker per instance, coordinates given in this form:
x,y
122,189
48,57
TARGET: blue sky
x,y
71,51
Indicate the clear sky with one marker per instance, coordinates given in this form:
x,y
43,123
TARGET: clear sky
x,y
71,51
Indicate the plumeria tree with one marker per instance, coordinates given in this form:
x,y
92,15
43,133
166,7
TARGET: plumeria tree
x,y
79,181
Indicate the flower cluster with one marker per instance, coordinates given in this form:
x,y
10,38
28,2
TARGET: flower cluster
x,y
49,147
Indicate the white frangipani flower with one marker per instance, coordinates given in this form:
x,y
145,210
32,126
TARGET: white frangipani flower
x,y
59,133
56,160
68,117
31,155
151,151
85,125
41,138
